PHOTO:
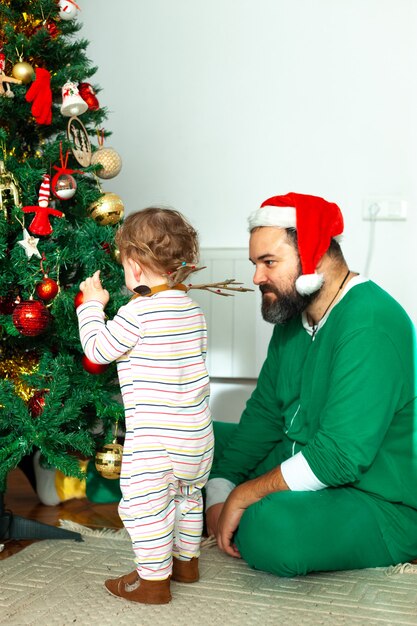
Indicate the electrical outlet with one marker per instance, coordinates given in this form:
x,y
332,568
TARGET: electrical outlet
x,y
384,208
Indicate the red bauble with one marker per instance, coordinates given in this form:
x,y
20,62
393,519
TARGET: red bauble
x,y
36,404
93,368
79,299
30,317
88,95
52,29
47,289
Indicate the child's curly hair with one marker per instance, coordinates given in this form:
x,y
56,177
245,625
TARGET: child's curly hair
x,y
160,239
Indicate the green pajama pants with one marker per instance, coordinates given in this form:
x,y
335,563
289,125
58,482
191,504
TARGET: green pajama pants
x,y
292,533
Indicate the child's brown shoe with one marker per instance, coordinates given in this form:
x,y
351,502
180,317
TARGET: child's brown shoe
x,y
185,571
126,578
132,587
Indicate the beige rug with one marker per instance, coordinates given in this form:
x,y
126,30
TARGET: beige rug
x,y
60,583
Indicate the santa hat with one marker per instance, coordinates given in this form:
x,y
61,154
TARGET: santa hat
x,y
316,222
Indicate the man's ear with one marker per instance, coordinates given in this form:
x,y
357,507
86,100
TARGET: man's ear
x,y
136,269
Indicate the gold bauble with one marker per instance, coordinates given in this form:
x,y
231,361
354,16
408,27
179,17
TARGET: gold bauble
x,y
108,460
23,71
110,162
108,209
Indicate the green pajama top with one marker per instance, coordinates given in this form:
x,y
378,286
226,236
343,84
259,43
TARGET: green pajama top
x,y
347,400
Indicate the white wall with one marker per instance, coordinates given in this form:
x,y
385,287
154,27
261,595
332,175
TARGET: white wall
x,y
217,105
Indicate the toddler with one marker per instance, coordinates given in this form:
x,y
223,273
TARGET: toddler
x,y
159,341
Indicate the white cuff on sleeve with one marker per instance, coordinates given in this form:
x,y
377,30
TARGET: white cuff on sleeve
x,y
217,490
298,475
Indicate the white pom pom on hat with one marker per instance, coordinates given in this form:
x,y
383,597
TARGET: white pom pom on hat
x,y
316,221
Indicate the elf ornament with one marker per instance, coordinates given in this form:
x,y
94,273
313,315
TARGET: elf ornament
x,y
40,224
30,317
109,160
63,184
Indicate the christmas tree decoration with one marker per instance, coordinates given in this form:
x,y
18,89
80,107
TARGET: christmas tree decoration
x,y
64,185
44,191
8,302
40,94
7,305
79,299
24,72
108,460
31,24
108,209
29,244
68,9
93,368
47,289
29,147
109,160
116,255
9,191
52,28
5,89
48,25
15,365
40,224
36,403
87,93
72,103
30,317
80,141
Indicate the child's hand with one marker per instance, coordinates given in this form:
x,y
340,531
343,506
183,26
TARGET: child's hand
x,y
92,289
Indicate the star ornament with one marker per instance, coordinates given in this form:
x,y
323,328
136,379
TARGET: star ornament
x,y
29,243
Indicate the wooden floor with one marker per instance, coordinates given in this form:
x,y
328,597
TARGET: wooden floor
x,y
23,501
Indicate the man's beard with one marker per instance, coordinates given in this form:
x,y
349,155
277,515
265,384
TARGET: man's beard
x,y
286,306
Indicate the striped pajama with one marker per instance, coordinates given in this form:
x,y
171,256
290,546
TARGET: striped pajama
x,y
159,343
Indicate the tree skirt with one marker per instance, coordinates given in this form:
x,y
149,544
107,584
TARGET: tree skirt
x,y
60,583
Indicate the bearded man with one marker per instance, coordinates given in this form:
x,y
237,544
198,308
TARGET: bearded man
x,y
321,472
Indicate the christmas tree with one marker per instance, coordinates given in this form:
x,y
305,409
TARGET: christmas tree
x,y
57,226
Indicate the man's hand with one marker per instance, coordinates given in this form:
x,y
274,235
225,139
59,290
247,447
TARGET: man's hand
x,y
239,500
234,507
93,290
